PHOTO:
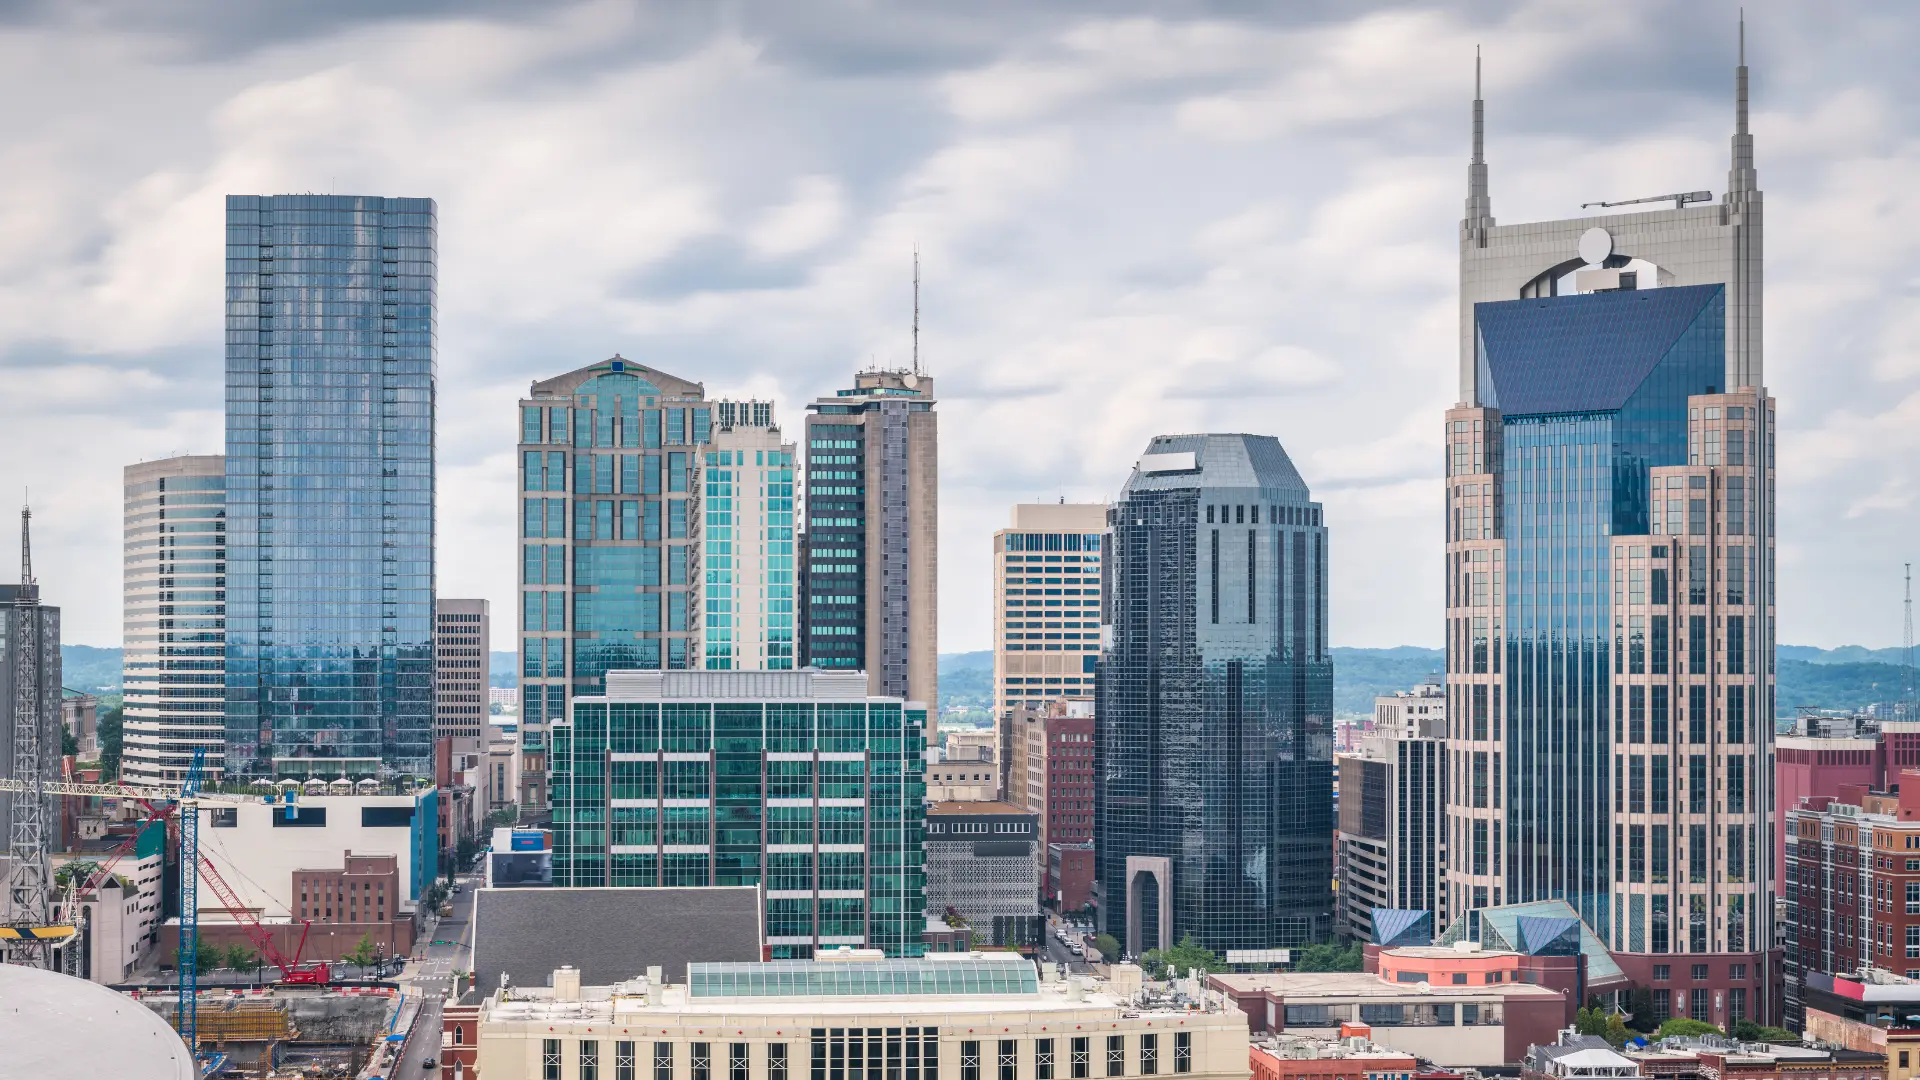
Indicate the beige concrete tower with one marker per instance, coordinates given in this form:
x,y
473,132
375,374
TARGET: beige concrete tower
x,y
1046,603
747,570
462,635
873,529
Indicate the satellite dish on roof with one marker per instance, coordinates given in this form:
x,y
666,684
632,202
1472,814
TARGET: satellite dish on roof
x,y
911,380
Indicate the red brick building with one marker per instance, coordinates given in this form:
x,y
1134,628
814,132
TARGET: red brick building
x,y
1853,885
1070,875
460,1042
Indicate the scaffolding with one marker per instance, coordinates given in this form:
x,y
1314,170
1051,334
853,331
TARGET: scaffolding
x,y
246,1020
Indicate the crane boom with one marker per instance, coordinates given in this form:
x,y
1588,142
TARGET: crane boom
x,y
123,791
1679,199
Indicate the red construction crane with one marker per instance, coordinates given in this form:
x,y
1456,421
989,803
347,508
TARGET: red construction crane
x,y
292,971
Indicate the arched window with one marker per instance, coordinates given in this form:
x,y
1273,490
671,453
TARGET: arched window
x,y
459,1035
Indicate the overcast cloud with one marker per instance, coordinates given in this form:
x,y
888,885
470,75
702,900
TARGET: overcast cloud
x,y
1134,219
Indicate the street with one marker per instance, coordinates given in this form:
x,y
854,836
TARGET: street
x,y
429,978
1057,951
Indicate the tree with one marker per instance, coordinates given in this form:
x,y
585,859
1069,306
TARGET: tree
x,y
1108,946
363,955
69,743
244,958
1590,1021
1748,1031
1683,1026
1615,1030
1187,956
109,730
1331,956
1640,1003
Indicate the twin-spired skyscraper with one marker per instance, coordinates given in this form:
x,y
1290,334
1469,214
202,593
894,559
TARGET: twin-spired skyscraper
x,y
1610,569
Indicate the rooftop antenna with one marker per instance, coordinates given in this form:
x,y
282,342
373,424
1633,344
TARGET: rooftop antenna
x,y
26,544
1913,690
916,309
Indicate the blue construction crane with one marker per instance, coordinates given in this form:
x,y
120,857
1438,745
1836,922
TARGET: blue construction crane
x,y
187,1013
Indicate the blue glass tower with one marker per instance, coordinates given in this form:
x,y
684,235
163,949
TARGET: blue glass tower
x,y
330,315
1214,747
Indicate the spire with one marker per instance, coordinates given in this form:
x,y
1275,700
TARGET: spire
x,y
916,309
26,547
1479,204
1741,177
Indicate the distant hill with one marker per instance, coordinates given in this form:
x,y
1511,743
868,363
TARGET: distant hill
x,y
94,670
1849,677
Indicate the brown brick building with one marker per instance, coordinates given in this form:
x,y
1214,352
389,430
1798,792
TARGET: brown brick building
x,y
1853,885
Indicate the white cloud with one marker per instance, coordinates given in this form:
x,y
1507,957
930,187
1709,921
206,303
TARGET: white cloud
x,y
1129,226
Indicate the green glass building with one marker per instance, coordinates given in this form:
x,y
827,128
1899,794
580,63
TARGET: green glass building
x,y
793,779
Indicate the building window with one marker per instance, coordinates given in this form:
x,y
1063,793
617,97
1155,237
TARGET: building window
x,y
1662,972
1700,973
1043,1059
589,1059
736,1061
776,1061
623,1060
1662,1005
970,1059
663,1061
1697,1004
549,1059
1116,1055
1183,1051
1082,1057
1009,1059
1149,1055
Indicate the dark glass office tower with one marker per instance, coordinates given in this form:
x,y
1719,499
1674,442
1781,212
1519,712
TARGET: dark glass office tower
x,y
1214,808
330,485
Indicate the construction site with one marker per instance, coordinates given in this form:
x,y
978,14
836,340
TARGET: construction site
x,y
64,901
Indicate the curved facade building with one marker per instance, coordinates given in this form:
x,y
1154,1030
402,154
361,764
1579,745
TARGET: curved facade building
x,y
1214,810
174,616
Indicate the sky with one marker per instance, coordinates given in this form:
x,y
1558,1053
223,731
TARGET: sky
x,y
1133,219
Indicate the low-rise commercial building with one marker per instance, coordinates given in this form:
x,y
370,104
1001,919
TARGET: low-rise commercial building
x,y
966,769
967,1017
1050,773
981,867
1353,1056
1711,1057
1450,1025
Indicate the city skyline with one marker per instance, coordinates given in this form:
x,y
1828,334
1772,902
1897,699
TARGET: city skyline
x,y
774,288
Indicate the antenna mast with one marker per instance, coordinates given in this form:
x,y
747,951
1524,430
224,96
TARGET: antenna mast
x,y
1912,703
29,882
916,309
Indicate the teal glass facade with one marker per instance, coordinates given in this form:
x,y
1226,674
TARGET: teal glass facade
x,y
747,554
819,801
330,398
609,534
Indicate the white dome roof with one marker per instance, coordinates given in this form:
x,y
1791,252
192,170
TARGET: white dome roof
x,y
60,1028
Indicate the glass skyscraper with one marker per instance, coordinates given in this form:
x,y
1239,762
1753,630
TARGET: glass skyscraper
x,y
1610,565
793,779
1214,753
609,538
747,553
330,315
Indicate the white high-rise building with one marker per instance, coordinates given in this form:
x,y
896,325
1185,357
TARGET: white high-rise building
x,y
173,618
746,548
